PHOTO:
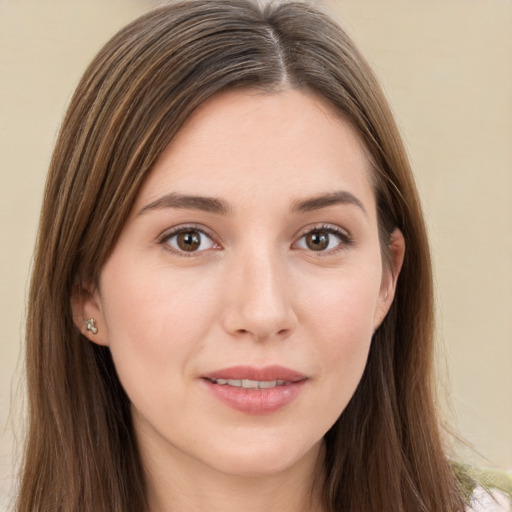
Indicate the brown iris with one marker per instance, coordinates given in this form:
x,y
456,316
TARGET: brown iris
x,y
317,240
188,240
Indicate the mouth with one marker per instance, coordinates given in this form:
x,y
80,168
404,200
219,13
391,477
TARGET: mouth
x,y
238,375
255,390
251,384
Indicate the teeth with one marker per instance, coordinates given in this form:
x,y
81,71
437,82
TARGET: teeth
x,y
250,384
265,384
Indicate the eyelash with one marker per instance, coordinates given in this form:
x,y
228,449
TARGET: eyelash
x,y
346,240
344,237
164,239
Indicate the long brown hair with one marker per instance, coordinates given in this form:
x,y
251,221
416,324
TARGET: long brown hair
x,y
384,453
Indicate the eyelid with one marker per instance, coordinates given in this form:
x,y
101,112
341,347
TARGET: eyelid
x,y
175,230
345,237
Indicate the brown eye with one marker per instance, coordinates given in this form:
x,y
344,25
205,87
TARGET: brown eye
x,y
327,239
189,241
317,241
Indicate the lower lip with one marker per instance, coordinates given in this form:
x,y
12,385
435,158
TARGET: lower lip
x,y
256,401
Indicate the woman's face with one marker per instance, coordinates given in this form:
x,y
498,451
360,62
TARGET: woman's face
x,y
240,299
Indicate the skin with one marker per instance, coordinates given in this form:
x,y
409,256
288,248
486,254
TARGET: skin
x,y
253,293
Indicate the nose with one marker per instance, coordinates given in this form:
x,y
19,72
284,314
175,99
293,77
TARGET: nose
x,y
259,304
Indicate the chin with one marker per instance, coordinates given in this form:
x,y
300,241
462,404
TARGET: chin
x,y
264,459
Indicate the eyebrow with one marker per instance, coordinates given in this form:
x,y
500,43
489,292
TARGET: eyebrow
x,y
221,207
325,200
174,200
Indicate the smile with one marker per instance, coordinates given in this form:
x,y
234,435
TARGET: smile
x,y
255,391
250,384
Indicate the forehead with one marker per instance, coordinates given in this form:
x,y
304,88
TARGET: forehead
x,y
247,145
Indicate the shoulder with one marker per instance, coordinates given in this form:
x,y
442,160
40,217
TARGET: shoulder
x,y
485,489
489,500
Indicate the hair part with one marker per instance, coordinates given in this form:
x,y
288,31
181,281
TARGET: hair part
x,y
385,452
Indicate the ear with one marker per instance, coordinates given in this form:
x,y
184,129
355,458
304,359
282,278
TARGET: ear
x,y
86,306
390,275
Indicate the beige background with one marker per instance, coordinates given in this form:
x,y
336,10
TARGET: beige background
x,y
447,68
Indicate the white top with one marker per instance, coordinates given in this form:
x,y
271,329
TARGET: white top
x,y
482,501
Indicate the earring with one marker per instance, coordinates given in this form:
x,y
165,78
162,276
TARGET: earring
x,y
90,325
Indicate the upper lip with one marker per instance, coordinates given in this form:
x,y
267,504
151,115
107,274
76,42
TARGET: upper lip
x,y
267,373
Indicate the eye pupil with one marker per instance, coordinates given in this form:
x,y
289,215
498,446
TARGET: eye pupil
x,y
317,241
188,241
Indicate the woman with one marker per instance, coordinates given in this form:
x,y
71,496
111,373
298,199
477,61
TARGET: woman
x,y
231,302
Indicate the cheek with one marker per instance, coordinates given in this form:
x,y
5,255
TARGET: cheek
x,y
344,304
157,322
341,320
